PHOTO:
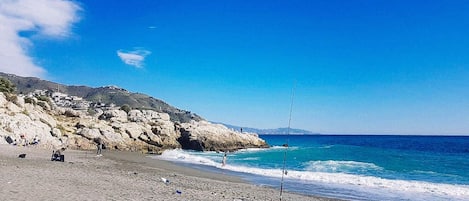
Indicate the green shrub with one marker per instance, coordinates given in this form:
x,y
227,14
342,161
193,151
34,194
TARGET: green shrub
x,y
126,108
43,104
43,98
6,86
29,100
70,113
91,111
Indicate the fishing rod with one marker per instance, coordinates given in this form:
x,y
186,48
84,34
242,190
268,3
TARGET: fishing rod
x,y
284,171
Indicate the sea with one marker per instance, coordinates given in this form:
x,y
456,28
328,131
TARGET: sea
x,y
350,167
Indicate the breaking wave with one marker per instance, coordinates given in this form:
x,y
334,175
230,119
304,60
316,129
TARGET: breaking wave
x,y
332,173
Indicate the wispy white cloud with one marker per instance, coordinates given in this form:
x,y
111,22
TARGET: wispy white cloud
x,y
49,18
134,58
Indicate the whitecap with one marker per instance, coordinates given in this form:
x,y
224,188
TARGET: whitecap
x,y
183,156
340,166
265,149
249,159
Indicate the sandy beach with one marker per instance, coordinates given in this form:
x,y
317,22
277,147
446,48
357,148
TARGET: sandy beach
x,y
117,176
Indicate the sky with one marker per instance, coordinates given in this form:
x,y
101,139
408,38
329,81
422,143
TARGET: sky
x,y
350,67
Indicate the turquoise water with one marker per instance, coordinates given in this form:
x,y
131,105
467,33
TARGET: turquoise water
x,y
355,167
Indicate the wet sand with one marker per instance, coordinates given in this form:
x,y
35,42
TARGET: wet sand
x,y
118,176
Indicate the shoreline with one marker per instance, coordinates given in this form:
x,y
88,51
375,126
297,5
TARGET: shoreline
x,y
119,175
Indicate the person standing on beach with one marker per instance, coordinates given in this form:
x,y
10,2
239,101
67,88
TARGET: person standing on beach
x,y
99,145
223,162
23,140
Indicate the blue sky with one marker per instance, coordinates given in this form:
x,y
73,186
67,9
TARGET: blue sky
x,y
370,67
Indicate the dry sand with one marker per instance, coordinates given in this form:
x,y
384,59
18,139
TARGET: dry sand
x,y
117,176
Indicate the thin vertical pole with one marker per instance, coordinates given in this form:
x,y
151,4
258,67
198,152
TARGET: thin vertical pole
x,y
287,142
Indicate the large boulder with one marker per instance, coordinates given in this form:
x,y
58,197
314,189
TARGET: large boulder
x,y
147,116
68,112
133,129
37,114
114,115
22,128
205,136
136,116
89,133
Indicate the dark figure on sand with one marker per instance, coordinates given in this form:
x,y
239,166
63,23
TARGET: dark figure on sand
x,y
57,155
223,162
99,146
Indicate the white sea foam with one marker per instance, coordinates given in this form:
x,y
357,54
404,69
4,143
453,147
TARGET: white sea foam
x,y
250,159
253,149
340,166
445,191
182,156
326,147
265,149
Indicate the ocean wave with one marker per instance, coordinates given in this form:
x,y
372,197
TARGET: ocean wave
x,y
282,147
326,147
438,174
182,156
456,192
249,159
265,149
253,150
332,166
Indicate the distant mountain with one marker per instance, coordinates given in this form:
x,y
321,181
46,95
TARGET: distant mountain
x,y
106,95
275,131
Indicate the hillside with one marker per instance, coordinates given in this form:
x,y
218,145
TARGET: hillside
x,y
106,95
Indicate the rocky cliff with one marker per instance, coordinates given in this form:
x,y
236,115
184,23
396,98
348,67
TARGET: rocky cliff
x,y
105,95
146,131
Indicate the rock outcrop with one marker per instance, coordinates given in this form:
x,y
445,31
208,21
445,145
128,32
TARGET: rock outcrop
x,y
138,130
205,136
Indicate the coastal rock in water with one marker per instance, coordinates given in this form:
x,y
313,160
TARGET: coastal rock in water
x,y
205,136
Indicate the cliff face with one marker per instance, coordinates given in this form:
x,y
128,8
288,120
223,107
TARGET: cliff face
x,y
138,130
